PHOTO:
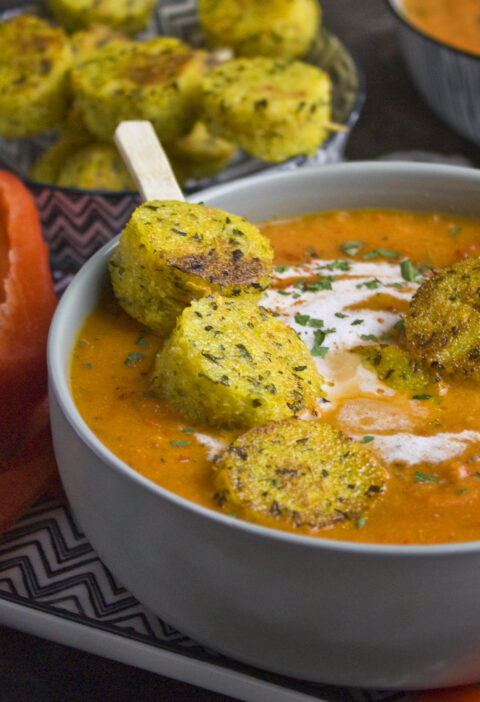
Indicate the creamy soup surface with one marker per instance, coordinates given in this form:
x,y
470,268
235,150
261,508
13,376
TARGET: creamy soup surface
x,y
454,22
340,283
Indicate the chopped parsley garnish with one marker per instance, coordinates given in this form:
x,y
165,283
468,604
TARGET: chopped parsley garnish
x,y
134,357
361,521
317,323
386,336
367,439
425,477
188,430
283,292
421,397
356,322
455,231
340,315
87,365
318,339
350,248
281,269
302,319
141,341
322,284
409,271
369,337
385,253
399,325
336,265
180,442
370,284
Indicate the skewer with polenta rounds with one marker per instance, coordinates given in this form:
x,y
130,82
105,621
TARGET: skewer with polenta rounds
x,y
36,58
128,16
172,252
158,80
278,28
273,109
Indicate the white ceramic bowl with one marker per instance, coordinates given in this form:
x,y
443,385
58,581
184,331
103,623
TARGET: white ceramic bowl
x,y
341,613
446,77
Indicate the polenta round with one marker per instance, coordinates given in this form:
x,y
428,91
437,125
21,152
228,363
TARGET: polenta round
x,y
95,167
271,108
129,16
36,58
157,80
230,361
171,252
277,28
303,473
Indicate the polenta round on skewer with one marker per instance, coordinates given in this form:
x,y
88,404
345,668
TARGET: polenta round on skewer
x,y
172,252
129,16
277,28
157,80
36,58
271,108
302,473
94,37
230,361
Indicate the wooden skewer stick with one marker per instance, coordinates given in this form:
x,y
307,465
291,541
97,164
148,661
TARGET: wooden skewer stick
x,y
146,161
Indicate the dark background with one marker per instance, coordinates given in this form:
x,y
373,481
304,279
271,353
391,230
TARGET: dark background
x,y
394,119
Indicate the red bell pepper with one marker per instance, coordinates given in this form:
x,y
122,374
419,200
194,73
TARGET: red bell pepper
x,y
27,302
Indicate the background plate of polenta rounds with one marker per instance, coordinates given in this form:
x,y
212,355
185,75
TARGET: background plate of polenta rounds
x,y
77,222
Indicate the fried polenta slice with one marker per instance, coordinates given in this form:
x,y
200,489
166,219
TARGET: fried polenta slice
x,y
129,16
157,80
277,28
85,41
35,62
305,474
230,361
442,325
199,154
47,166
271,108
396,367
96,167
171,252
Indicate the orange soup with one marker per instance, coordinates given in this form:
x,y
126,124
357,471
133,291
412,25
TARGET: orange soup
x,y
342,279
454,22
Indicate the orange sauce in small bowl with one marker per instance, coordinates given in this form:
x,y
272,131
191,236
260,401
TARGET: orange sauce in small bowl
x,y
453,22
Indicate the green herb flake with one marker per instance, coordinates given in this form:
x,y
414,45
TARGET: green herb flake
x,y
356,322
462,491
336,265
320,351
398,326
316,323
424,477
133,358
283,292
302,319
360,523
180,442
369,337
409,271
370,284
367,439
340,315
188,430
350,248
87,365
421,397
244,352
386,336
455,231
282,269
142,342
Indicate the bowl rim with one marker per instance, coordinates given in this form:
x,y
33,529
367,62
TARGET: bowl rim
x,y
58,367
395,5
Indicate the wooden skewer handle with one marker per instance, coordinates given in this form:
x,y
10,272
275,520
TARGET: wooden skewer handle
x,y
146,161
